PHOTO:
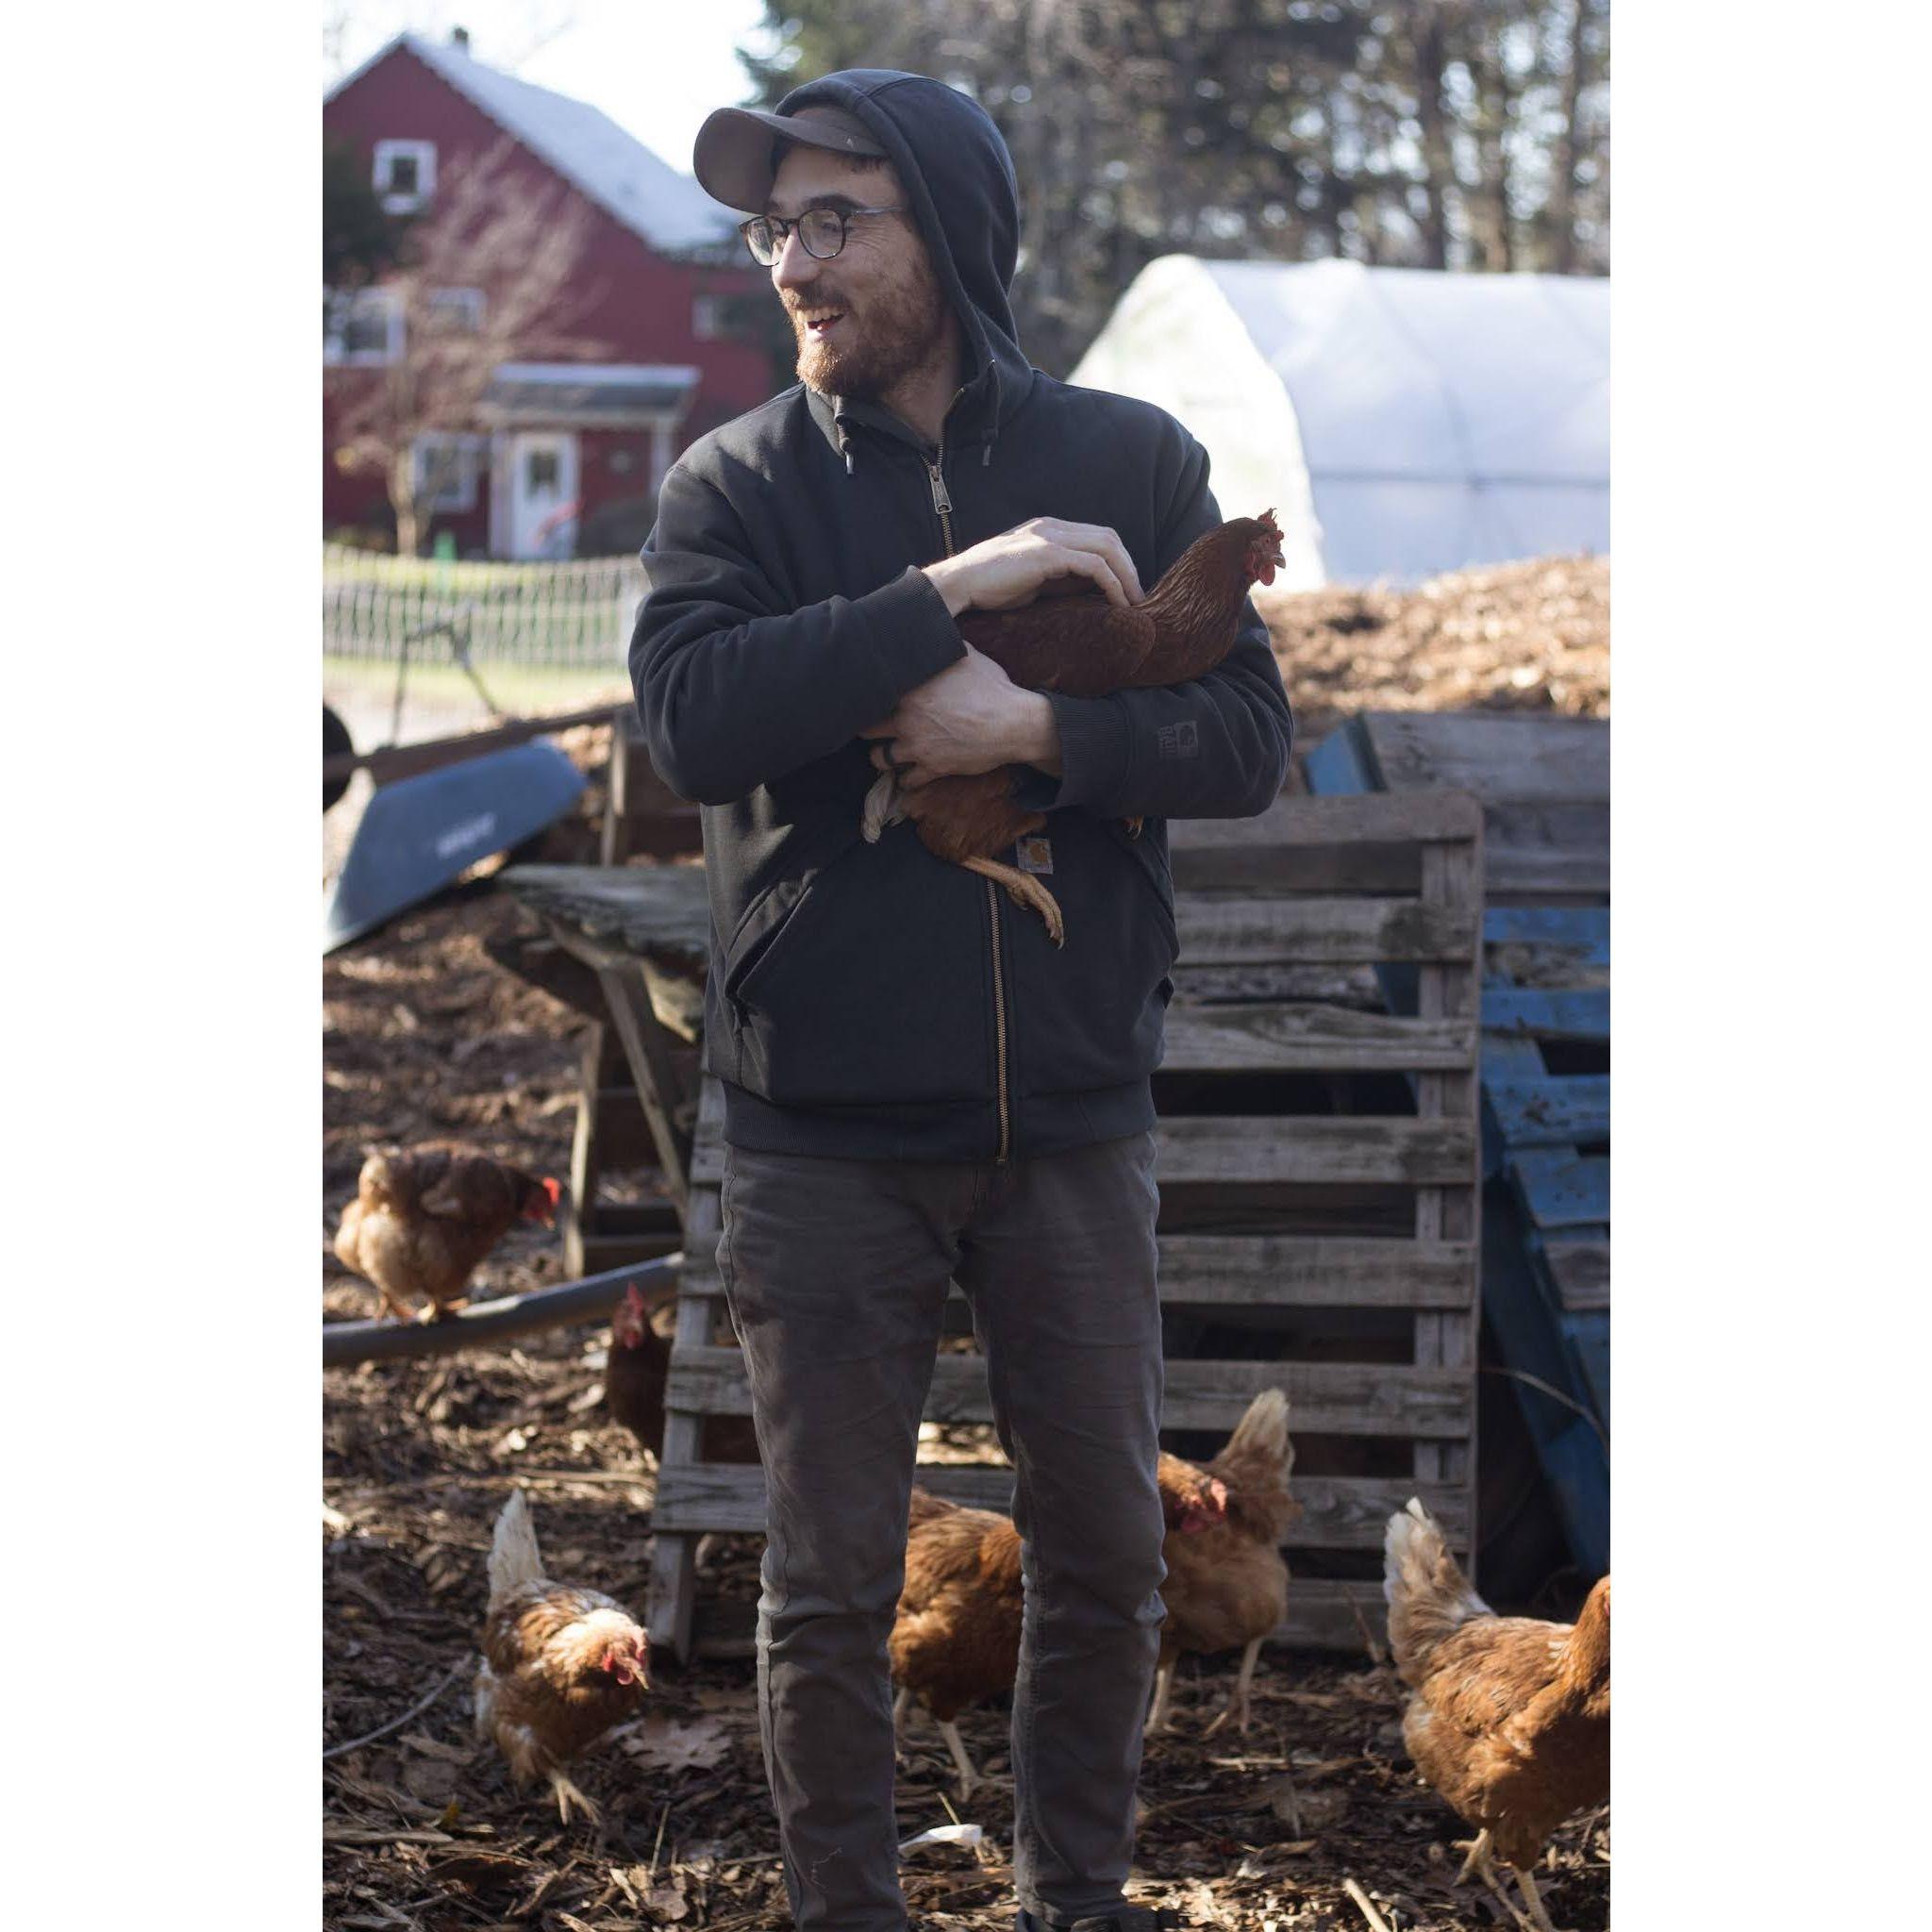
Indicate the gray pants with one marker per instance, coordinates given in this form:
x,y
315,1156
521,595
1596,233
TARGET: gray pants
x,y
836,1273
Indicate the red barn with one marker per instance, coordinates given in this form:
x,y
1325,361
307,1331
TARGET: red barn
x,y
567,450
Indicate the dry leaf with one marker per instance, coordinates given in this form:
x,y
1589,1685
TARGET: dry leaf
x,y
666,1899
669,1745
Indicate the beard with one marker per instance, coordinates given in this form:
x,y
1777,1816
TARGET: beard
x,y
901,327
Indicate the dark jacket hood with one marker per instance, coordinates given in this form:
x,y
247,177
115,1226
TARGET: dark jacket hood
x,y
960,176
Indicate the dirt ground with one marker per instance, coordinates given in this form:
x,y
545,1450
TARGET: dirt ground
x,y
426,1035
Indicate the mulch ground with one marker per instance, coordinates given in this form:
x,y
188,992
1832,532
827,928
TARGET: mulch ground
x,y
1507,637
425,1034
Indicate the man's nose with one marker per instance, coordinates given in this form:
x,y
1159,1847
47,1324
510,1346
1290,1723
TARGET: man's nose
x,y
794,267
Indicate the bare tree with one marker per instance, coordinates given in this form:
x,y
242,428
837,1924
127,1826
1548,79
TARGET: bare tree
x,y
494,274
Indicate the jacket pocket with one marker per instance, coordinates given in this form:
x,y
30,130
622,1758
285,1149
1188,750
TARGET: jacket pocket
x,y
865,983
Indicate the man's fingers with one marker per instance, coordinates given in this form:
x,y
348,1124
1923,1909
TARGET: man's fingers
x,y
1093,565
1103,542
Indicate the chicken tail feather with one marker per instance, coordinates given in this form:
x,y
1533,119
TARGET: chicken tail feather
x,y
514,1558
1428,1595
1263,1430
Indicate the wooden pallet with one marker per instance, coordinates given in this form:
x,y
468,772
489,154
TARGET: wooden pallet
x,y
1344,1247
1545,784
642,818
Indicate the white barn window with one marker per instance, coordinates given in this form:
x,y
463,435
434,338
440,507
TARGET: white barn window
x,y
404,175
361,328
446,468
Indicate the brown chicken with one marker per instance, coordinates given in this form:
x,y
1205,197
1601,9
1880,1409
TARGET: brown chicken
x,y
635,1379
423,1218
560,1666
1086,647
955,1640
1511,1719
1227,1587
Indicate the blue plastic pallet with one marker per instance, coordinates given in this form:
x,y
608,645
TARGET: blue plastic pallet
x,y
1546,1199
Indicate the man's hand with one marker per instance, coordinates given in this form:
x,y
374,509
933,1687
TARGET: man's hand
x,y
1016,566
970,718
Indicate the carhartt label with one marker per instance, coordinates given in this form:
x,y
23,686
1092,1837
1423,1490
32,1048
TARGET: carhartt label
x,y
1035,854
1179,741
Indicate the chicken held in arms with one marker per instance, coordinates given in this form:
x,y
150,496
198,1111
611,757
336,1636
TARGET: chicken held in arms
x,y
955,1640
1511,1719
1086,647
1227,1587
423,1217
561,1665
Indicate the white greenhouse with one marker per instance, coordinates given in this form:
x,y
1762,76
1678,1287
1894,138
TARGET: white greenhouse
x,y
1402,422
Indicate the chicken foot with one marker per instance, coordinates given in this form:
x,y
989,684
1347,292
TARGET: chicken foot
x,y
1481,1860
881,807
962,1763
1026,893
1157,1716
567,1794
1238,1704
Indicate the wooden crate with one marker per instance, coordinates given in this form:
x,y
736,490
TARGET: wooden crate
x,y
1544,786
1342,1247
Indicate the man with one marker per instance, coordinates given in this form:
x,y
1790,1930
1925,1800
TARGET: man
x,y
919,1086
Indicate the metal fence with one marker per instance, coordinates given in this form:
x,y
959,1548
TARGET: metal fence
x,y
561,615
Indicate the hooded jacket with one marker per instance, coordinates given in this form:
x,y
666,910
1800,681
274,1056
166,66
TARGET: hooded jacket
x,y
873,1001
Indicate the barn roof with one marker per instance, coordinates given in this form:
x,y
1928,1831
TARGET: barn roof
x,y
1416,421
664,208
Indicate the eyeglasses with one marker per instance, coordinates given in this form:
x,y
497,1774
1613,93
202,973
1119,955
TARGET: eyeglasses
x,y
821,232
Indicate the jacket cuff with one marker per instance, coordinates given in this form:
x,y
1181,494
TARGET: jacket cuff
x,y
1096,751
913,632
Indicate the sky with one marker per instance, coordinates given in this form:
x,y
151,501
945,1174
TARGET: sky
x,y
656,67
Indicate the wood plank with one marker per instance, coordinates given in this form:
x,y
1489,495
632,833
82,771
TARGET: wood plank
x,y
1337,1512
1562,1190
1250,1151
649,1050
1205,1271
1286,1270
1328,1398
1302,820
1540,1013
1452,879
1582,931
1493,754
1286,1036
1237,1151
1535,849
1326,1614
674,1558
1259,1150
1554,1112
1581,1271
1359,866
664,910
1240,929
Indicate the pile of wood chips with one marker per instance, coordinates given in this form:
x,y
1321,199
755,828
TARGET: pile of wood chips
x,y
1513,636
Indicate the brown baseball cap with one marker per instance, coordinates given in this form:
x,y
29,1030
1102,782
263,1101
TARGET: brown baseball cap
x,y
738,149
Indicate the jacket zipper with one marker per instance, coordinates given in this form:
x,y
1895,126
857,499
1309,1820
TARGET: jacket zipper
x,y
941,501
943,506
